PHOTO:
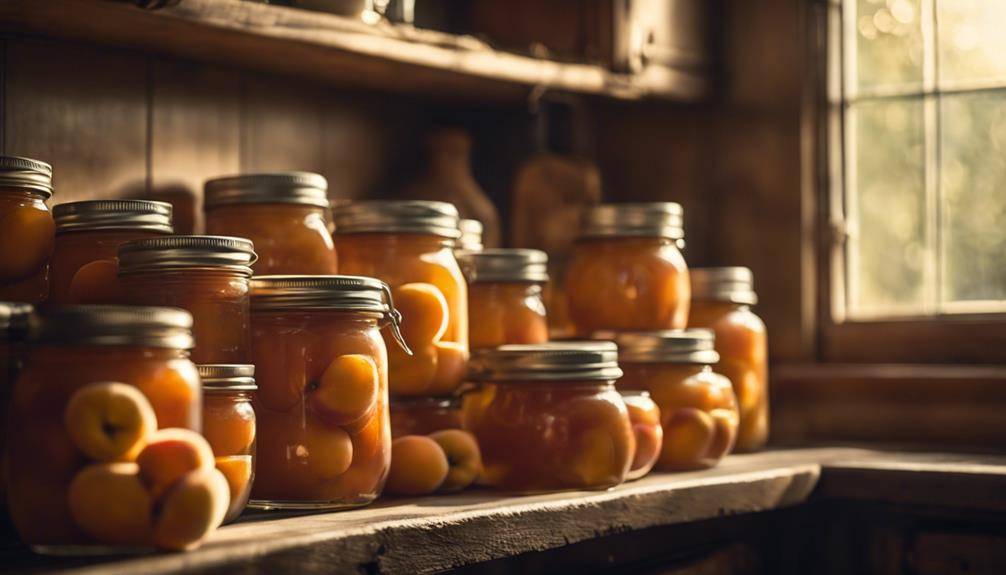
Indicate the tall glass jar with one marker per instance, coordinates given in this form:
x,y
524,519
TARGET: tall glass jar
x,y
88,234
13,329
206,275
324,438
284,213
73,347
505,294
408,244
698,410
548,418
626,272
229,427
27,231
721,301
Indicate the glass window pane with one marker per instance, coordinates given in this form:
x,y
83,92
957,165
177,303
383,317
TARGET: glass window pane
x,y
971,40
973,176
889,45
887,250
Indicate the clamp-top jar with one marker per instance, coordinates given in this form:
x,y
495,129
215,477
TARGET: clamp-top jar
x,y
206,275
408,244
88,236
284,213
322,400
626,271
505,294
27,231
229,427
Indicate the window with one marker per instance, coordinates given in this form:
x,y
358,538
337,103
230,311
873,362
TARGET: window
x,y
918,101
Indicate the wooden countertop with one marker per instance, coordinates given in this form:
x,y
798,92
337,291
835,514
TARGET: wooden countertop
x,y
434,533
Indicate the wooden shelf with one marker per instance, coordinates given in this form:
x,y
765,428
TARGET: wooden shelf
x,y
333,49
435,533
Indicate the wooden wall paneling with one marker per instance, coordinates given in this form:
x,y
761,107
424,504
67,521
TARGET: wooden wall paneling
x,y
195,126
83,110
281,125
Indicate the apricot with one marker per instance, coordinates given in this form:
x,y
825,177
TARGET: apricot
x,y
173,389
688,437
649,439
170,454
97,282
725,421
463,458
424,312
27,236
452,361
598,459
109,502
109,421
411,375
329,451
230,428
237,470
347,391
191,510
526,326
418,466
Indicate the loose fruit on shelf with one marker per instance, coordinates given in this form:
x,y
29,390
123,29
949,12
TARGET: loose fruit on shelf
x,y
463,458
419,466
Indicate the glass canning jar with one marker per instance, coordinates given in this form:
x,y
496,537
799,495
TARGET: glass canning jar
x,y
645,417
229,427
626,272
721,301
408,244
547,417
424,415
698,410
505,294
13,330
284,214
27,231
88,234
72,347
206,275
321,364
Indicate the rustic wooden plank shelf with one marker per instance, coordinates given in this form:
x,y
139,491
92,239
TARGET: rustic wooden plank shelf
x,y
434,533
334,48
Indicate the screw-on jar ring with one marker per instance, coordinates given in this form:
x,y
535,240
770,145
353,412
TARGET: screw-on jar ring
x,y
303,188
398,216
571,361
128,214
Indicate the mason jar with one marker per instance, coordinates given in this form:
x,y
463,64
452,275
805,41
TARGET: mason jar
x,y
229,427
505,294
27,231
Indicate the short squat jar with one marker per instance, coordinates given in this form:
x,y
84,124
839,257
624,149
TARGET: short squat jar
x,y
27,231
424,415
548,418
88,236
284,214
721,301
698,411
78,347
409,245
505,294
645,417
324,438
626,272
229,427
206,275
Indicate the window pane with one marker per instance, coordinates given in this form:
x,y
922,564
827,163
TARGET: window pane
x,y
887,208
972,40
973,175
889,46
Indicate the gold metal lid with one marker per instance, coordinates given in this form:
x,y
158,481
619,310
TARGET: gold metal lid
x,y
18,172
398,216
504,265
227,376
112,325
556,361
113,215
668,346
187,252
14,320
471,235
304,188
653,219
728,284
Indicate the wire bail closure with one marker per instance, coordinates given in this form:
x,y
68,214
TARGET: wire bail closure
x,y
395,320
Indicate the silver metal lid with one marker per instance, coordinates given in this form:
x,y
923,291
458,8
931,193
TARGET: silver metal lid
x,y
113,325
227,376
304,188
187,252
557,361
17,172
728,284
668,346
504,265
14,320
471,235
654,219
113,215
398,216
327,293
